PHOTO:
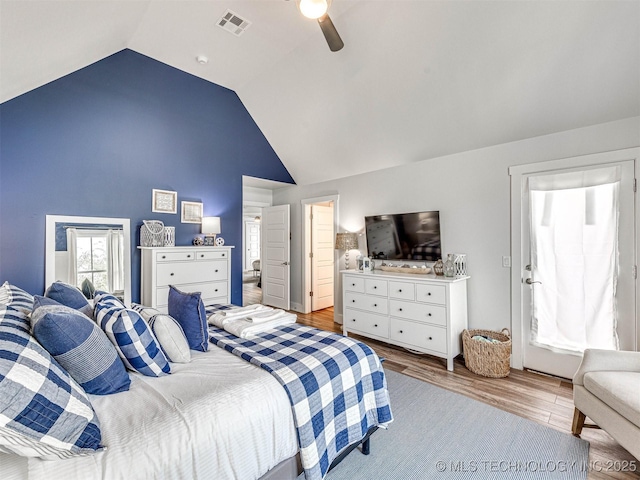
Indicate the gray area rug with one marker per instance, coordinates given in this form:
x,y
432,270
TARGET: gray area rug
x,y
440,434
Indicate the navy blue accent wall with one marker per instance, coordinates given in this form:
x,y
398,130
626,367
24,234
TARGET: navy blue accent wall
x,y
97,141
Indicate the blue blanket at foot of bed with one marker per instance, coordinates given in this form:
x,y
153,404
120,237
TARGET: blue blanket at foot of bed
x,y
336,386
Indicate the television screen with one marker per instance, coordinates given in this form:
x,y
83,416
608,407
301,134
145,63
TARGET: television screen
x,y
404,236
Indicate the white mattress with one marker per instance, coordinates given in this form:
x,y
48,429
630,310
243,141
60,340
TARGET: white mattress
x,y
217,417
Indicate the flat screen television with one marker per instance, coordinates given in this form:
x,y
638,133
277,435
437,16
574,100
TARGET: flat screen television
x,y
404,236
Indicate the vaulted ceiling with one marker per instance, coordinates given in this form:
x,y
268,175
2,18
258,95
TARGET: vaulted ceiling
x,y
416,79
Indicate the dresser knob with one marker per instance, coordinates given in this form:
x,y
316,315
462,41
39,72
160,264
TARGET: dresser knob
x,y
400,331
428,294
375,304
400,309
223,254
202,256
374,287
188,256
353,320
353,284
216,290
216,270
171,274
353,301
399,290
429,314
164,256
430,338
375,324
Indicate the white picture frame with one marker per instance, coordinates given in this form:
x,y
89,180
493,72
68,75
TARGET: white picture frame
x,y
164,201
191,212
366,264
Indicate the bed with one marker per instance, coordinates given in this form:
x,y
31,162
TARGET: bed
x,y
217,417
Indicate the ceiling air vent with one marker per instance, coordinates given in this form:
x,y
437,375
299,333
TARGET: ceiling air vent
x,y
233,23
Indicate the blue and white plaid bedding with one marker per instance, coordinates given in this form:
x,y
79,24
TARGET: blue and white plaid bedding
x,y
336,386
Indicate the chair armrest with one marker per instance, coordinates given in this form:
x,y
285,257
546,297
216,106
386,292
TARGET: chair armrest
x,y
595,360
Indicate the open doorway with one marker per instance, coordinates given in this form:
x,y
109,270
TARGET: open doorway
x,y
319,272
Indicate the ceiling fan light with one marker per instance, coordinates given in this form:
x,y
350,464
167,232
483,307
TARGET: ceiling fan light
x,y
313,8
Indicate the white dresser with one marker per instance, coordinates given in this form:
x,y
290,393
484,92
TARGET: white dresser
x,y
423,313
190,269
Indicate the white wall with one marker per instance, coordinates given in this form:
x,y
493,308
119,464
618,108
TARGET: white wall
x,y
472,192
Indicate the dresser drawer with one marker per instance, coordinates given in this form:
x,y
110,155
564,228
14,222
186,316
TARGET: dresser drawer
x,y
418,334
365,302
353,283
420,312
366,323
186,272
176,256
209,255
376,287
208,291
431,293
402,290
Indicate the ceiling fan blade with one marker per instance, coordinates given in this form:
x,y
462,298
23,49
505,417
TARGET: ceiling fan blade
x,y
330,33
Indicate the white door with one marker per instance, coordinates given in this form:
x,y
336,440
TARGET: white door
x,y
577,264
276,256
322,250
251,244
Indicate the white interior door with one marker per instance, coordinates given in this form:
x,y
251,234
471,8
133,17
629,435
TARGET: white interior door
x,y
577,263
251,244
322,249
276,256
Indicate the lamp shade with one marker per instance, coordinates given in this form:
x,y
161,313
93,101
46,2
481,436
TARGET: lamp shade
x,y
346,241
210,225
313,8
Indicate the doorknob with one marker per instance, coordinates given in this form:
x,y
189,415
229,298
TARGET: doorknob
x,y
528,281
285,263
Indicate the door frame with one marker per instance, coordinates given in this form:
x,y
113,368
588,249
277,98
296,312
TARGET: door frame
x,y
305,209
519,174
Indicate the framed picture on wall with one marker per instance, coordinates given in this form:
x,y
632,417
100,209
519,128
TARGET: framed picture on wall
x,y
164,201
191,212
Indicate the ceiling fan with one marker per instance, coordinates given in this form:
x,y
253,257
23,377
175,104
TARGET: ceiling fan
x,y
317,10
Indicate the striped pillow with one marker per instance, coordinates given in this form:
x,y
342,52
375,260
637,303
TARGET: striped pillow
x,y
80,347
43,411
168,332
16,297
132,338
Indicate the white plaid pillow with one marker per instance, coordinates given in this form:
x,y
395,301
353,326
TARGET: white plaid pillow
x,y
16,297
43,411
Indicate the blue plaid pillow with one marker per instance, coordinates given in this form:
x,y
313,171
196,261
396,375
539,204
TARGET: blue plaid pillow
x,y
16,297
43,411
132,338
188,309
80,347
70,296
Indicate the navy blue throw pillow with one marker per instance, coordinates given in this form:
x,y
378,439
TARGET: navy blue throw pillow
x,y
188,310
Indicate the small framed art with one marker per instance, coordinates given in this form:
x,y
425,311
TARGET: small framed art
x,y
191,212
164,201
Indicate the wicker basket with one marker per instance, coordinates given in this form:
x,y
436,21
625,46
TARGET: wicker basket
x,y
152,233
487,359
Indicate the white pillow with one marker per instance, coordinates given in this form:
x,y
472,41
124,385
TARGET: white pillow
x,y
168,332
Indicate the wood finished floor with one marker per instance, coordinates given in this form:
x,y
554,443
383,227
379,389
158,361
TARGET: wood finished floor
x,y
545,400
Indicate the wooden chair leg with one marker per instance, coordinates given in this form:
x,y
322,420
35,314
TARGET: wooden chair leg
x,y
578,422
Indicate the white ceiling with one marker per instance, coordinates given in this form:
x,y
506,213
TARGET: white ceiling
x,y
416,79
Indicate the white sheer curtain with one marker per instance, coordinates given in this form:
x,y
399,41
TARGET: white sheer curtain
x,y
574,256
72,254
115,260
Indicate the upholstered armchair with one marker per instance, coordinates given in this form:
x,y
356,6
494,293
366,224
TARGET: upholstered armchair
x,y
606,388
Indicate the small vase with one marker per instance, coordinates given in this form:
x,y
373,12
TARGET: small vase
x,y
449,266
438,268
